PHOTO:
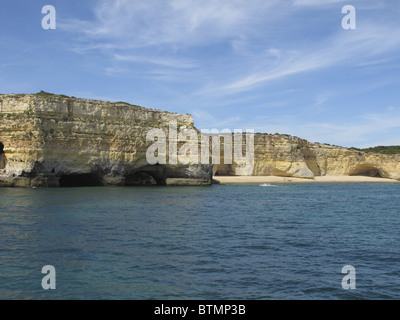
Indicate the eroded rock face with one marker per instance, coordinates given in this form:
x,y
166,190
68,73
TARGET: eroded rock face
x,y
288,156
60,141
333,160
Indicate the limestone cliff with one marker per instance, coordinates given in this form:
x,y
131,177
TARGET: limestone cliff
x,y
49,140
288,156
52,140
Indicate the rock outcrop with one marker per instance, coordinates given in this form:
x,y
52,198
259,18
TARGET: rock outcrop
x,y
288,156
52,141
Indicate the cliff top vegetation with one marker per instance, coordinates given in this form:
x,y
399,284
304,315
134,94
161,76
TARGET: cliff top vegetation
x,y
380,149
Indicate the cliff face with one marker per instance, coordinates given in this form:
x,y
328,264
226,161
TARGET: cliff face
x,y
288,156
59,141
55,141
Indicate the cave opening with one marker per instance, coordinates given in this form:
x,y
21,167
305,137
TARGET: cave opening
x,y
366,170
1,147
80,180
144,178
223,170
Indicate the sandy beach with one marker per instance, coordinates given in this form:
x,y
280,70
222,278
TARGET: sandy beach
x,y
275,179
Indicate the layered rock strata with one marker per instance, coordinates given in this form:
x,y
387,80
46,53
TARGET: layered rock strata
x,y
289,156
52,141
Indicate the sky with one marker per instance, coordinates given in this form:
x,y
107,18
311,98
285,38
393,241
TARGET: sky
x,y
272,66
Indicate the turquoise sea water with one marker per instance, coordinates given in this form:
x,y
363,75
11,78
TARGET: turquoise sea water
x,y
219,242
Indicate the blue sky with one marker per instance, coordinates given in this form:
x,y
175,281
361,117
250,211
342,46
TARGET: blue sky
x,y
283,66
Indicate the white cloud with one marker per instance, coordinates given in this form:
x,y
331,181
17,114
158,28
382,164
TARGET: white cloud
x,y
220,49
177,22
158,32
345,47
163,61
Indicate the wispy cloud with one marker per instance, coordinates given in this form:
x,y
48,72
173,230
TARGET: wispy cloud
x,y
163,61
159,32
358,47
177,22
170,34
234,55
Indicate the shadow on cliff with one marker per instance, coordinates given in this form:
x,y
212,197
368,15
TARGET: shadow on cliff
x,y
3,158
149,175
144,176
80,180
368,170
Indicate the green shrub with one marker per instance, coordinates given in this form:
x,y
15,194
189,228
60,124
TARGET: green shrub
x,y
45,94
380,149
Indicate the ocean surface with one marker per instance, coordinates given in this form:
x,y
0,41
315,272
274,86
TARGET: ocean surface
x,y
220,242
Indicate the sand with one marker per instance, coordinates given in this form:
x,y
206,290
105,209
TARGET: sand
x,y
274,179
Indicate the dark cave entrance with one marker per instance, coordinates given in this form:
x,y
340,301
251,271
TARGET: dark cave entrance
x,y
144,178
80,180
223,170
